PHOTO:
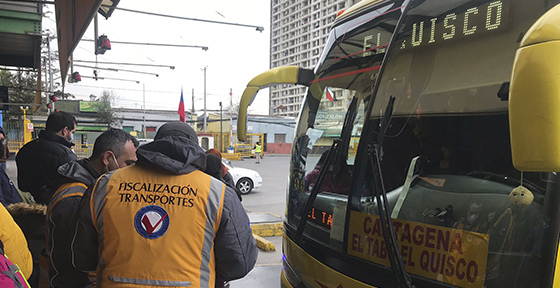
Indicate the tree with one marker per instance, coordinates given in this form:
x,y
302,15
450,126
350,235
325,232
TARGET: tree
x,y
21,87
105,111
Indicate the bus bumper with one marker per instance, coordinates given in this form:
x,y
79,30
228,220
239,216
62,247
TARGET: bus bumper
x,y
284,282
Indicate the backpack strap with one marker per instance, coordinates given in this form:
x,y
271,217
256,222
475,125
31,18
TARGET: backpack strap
x,y
13,270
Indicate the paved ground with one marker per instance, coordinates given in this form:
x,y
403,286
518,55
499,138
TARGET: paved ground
x,y
11,169
267,271
271,197
268,199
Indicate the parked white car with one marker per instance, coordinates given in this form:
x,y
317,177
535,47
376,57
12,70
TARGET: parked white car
x,y
142,141
245,179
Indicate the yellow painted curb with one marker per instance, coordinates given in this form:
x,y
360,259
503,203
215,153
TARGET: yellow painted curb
x,y
268,229
264,244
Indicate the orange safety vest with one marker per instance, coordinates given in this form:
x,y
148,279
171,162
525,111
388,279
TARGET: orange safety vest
x,y
156,229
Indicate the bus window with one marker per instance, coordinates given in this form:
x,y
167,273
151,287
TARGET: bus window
x,y
325,221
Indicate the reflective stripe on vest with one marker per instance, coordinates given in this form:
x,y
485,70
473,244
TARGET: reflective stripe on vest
x,y
150,282
64,191
155,229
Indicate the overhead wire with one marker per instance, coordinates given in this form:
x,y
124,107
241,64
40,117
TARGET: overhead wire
x,y
224,96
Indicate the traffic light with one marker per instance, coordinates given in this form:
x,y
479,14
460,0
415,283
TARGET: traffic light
x,y
75,77
103,44
49,106
53,98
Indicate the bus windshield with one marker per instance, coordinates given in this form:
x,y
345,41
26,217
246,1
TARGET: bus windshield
x,y
463,215
333,110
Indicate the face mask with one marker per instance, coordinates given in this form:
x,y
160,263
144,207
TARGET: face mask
x,y
71,137
116,163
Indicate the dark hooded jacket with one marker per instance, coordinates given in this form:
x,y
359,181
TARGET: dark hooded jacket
x,y
38,161
235,248
73,181
214,169
8,193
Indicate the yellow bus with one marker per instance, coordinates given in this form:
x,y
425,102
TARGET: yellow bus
x,y
453,182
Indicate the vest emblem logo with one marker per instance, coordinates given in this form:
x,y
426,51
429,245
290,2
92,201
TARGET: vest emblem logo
x,y
151,222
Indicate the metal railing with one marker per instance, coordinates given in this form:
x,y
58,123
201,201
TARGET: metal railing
x,y
14,146
81,150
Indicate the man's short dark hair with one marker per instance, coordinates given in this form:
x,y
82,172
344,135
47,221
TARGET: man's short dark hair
x,y
58,120
112,140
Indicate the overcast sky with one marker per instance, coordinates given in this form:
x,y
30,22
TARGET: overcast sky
x,y
235,54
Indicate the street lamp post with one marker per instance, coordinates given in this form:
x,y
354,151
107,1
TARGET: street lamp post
x,y
204,69
144,110
221,132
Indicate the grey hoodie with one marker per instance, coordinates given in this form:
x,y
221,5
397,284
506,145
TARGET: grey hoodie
x,y
235,248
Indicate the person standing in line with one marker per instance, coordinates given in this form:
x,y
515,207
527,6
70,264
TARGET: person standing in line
x,y
37,161
113,149
31,219
8,191
258,150
15,245
224,171
6,153
191,226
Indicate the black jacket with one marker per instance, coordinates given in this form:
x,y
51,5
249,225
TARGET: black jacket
x,y
38,161
8,193
60,214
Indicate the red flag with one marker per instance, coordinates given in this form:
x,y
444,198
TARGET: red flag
x,y
330,95
181,108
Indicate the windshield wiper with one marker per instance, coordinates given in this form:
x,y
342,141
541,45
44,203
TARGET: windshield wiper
x,y
315,191
397,265
334,152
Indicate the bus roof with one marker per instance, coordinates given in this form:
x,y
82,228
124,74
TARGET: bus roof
x,y
364,4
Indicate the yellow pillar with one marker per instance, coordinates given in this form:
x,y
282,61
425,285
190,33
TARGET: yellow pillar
x,y
26,132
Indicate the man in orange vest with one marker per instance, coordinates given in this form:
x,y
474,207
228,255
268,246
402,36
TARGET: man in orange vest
x,y
163,222
113,149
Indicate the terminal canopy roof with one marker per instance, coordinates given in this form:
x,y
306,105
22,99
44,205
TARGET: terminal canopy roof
x,y
72,21
20,34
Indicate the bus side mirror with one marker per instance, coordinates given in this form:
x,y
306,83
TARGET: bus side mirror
x,y
279,75
534,99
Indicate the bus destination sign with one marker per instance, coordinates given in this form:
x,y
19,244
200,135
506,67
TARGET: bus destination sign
x,y
453,256
464,22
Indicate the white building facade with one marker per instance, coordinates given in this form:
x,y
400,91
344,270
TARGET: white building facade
x,y
299,31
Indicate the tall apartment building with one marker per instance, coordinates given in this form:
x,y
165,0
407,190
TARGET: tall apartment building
x,y
299,31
